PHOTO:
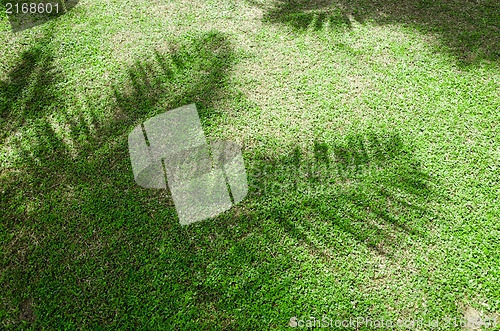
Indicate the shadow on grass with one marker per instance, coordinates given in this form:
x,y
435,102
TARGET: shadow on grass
x,y
368,191
85,247
194,72
302,15
68,181
29,92
370,186
470,30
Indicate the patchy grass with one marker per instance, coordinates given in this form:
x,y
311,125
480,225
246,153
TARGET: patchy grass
x,y
370,137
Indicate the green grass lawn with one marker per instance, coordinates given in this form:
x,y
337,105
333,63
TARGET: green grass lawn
x,y
370,133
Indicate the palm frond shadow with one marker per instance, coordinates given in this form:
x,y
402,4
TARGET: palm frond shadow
x,y
30,92
52,182
368,190
370,186
469,30
303,15
191,73
153,87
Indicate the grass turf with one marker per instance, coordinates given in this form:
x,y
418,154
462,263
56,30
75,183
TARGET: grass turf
x,y
370,136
